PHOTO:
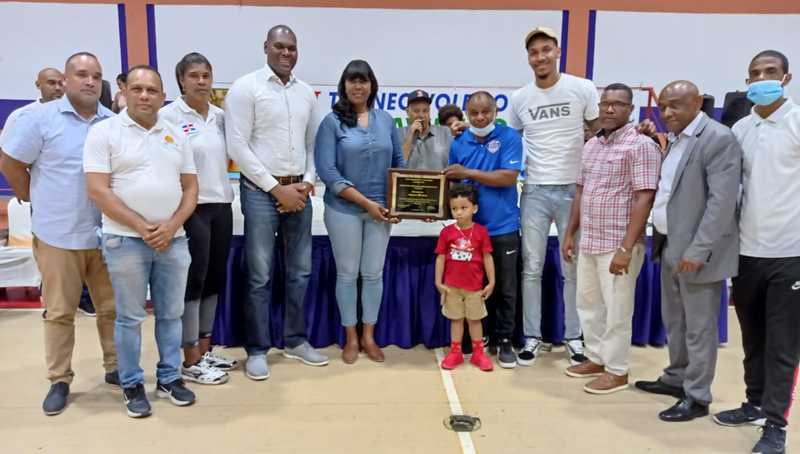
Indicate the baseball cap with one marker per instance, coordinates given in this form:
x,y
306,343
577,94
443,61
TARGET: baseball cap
x,y
419,95
546,31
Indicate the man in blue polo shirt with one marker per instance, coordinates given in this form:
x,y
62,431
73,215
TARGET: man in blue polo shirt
x,y
488,156
43,161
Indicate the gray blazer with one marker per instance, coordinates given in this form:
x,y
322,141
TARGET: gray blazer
x,y
702,216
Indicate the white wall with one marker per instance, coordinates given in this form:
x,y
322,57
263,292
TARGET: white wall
x,y
712,50
451,52
38,35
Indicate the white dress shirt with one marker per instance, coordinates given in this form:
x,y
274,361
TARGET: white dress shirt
x,y
270,127
770,217
669,166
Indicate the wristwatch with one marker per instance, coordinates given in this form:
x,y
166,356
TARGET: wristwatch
x,y
623,250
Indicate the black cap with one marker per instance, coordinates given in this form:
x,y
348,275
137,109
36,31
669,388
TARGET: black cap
x,y
419,95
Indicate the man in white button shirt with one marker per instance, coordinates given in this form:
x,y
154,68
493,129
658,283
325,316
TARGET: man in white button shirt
x,y
696,240
140,172
270,124
767,289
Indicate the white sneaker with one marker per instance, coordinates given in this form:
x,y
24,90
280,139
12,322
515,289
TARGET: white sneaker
x,y
527,356
204,374
574,349
219,362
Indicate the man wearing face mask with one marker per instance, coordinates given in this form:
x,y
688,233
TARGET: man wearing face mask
x,y
488,156
767,289
425,146
696,240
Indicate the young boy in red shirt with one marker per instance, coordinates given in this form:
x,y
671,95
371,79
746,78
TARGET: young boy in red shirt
x,y
464,252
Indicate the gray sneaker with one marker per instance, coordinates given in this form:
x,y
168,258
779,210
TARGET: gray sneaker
x,y
256,367
306,353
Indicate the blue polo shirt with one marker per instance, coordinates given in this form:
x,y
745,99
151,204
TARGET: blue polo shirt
x,y
498,208
50,138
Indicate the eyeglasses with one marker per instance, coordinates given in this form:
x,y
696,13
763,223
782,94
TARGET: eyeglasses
x,y
616,105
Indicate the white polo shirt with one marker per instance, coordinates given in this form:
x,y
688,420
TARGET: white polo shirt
x,y
145,167
551,120
770,210
206,137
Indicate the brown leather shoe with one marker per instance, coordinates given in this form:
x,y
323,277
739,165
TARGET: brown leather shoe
x,y
373,351
585,369
350,353
606,384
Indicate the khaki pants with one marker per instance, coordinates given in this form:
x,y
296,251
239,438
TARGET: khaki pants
x,y
63,273
605,307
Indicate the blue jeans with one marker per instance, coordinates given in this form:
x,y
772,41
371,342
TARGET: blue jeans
x,y
539,207
359,246
262,223
132,265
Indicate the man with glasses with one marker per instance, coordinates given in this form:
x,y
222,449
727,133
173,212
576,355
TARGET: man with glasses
x,y
615,191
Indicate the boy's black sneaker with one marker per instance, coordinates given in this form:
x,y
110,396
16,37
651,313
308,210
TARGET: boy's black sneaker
x,y
505,354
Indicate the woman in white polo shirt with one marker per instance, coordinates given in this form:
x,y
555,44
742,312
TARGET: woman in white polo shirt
x,y
211,226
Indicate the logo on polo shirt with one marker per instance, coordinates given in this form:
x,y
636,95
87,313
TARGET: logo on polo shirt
x,y
493,146
550,111
189,129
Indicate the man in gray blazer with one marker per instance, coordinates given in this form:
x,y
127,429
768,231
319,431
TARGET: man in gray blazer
x,y
696,239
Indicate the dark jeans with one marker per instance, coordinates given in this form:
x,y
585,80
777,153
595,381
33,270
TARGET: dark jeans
x,y
502,304
767,298
263,227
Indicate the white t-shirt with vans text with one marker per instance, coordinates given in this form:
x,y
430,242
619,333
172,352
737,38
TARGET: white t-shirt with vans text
x,y
551,121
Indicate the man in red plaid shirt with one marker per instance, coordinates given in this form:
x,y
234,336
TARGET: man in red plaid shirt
x,y
616,188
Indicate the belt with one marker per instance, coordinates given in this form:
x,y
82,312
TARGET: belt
x,y
291,179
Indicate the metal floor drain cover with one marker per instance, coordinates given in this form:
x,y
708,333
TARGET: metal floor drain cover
x,y
462,423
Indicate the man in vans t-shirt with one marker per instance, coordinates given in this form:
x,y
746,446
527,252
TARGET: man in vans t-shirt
x,y
551,112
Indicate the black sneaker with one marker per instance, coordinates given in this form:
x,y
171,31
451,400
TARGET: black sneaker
x,y
56,400
746,414
527,356
574,349
177,392
112,378
505,354
87,308
773,440
136,401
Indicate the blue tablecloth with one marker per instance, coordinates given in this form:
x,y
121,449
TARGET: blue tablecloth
x,y
410,313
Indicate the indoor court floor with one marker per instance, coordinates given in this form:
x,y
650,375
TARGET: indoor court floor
x,y
395,407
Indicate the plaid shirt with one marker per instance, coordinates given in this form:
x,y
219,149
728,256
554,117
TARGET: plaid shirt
x,y
611,170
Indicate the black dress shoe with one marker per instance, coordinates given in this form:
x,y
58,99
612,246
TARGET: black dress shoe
x,y
659,387
685,410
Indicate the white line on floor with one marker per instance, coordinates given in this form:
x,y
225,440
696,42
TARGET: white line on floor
x,y
455,405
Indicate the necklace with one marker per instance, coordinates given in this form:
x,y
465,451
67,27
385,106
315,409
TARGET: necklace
x,y
471,229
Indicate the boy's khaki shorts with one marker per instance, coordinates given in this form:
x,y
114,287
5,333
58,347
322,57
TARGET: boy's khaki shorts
x,y
459,303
